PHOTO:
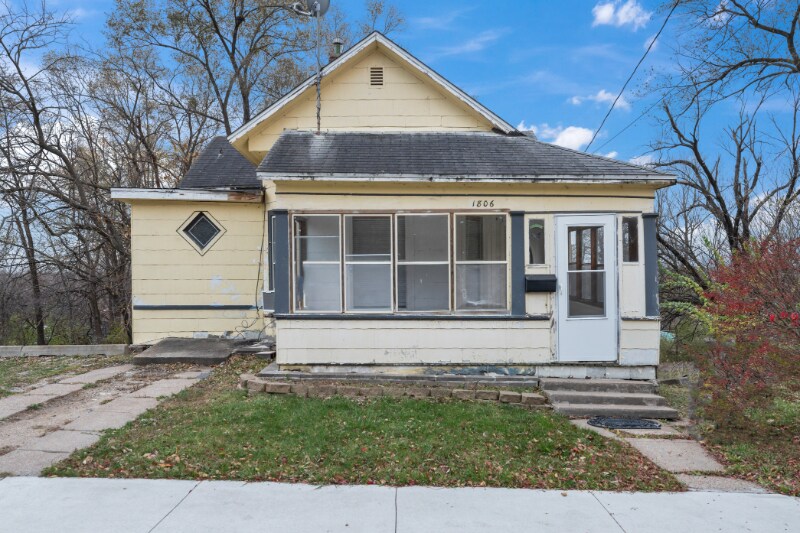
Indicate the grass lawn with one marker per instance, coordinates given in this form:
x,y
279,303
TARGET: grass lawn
x,y
767,452
213,431
23,371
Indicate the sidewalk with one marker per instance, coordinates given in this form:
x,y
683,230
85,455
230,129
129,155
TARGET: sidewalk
x,y
73,505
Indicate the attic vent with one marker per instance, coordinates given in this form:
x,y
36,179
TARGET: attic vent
x,y
376,76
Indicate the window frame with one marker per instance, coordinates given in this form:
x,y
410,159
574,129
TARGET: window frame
x,y
529,243
456,262
450,269
340,250
452,261
625,249
202,250
344,263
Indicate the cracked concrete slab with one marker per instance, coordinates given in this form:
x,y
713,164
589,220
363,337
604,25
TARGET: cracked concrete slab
x,y
29,462
129,404
62,441
97,375
54,390
15,404
677,455
164,387
99,420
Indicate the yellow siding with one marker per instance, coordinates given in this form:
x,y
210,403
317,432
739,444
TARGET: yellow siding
x,y
342,342
531,198
405,102
168,271
639,342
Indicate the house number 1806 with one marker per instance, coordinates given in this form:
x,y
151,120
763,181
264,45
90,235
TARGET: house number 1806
x,y
483,203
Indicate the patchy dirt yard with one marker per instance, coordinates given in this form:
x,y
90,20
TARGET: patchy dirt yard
x,y
46,423
18,374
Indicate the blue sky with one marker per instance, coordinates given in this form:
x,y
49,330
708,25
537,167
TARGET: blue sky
x,y
552,66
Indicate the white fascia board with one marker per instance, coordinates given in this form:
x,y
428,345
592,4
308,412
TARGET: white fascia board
x,y
496,121
598,179
185,195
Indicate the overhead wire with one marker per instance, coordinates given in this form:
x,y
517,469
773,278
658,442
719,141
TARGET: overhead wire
x,y
633,73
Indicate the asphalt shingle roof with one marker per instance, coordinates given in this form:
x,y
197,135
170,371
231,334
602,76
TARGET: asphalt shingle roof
x,y
220,165
298,153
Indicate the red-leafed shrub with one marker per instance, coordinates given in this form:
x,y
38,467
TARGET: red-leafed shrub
x,y
753,315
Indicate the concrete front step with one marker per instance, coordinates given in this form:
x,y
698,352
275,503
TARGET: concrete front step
x,y
624,411
614,398
597,385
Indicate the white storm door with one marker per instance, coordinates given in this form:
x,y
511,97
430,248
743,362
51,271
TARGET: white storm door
x,y
587,311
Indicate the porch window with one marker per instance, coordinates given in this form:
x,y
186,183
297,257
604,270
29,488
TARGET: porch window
x,y
481,262
630,240
423,263
536,242
368,262
317,263
400,263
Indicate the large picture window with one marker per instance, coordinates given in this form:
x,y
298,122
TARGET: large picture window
x,y
404,263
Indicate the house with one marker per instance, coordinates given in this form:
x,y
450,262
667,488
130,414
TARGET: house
x,y
417,228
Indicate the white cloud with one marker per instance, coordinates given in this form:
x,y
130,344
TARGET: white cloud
x,y
574,137
642,160
612,154
601,97
439,22
651,40
476,44
616,13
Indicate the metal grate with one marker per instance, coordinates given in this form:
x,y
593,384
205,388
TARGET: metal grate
x,y
201,230
376,76
623,423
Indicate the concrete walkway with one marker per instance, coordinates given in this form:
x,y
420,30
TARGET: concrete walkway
x,y
78,505
673,450
71,413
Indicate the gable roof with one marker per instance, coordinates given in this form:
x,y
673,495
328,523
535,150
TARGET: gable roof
x,y
380,39
445,155
220,165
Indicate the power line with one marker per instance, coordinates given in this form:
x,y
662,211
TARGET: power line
x,y
619,95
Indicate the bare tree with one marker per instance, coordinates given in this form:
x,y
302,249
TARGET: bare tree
x,y
737,181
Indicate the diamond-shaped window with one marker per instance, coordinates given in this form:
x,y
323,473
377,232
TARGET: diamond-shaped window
x,y
201,230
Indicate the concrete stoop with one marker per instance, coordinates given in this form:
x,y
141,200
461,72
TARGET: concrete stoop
x,y
606,397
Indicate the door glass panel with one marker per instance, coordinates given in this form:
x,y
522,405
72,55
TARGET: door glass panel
x,y
587,293
586,277
586,248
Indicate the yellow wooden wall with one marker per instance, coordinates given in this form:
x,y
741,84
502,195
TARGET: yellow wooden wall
x,y
168,271
438,341
406,102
